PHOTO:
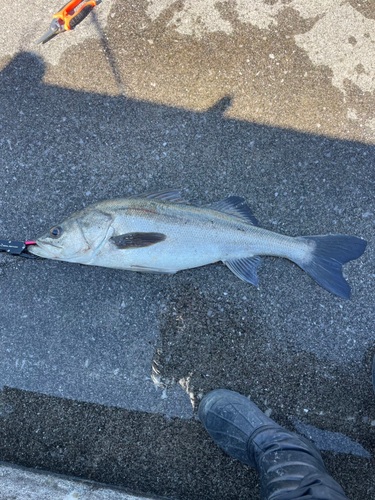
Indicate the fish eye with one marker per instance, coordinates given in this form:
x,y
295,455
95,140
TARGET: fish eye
x,y
56,232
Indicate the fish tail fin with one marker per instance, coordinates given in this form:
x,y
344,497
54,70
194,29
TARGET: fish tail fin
x,y
325,259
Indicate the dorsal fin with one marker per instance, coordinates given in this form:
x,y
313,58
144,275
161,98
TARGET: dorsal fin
x,y
234,205
165,195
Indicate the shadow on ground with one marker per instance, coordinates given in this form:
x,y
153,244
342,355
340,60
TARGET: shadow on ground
x,y
90,335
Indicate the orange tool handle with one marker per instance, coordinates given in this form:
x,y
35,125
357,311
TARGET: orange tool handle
x,y
70,21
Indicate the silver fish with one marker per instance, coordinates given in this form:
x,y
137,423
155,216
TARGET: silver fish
x,y
159,232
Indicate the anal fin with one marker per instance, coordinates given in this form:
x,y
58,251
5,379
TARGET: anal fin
x,y
245,269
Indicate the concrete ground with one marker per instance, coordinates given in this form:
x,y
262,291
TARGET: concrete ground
x,y
20,484
102,370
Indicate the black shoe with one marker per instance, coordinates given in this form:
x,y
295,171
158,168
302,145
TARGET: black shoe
x,y
231,419
289,465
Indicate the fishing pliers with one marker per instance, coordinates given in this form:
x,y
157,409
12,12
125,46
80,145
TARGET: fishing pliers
x,y
17,248
68,18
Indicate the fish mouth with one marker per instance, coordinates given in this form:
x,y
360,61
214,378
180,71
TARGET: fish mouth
x,y
53,251
44,249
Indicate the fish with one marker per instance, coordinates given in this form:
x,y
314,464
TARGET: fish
x,y
160,232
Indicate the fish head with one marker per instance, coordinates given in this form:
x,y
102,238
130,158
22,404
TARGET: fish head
x,y
74,240
64,241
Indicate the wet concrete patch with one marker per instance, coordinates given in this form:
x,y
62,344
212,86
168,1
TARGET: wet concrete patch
x,y
286,74
211,339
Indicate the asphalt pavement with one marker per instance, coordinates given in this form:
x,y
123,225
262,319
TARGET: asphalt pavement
x,y
101,370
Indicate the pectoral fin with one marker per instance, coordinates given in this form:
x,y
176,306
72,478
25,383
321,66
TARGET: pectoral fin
x,y
137,240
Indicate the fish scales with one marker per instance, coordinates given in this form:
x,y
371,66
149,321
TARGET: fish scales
x,y
207,233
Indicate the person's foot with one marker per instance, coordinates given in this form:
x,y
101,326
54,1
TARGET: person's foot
x,y
289,465
231,420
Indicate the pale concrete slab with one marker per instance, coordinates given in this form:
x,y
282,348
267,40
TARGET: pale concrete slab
x,y
22,484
